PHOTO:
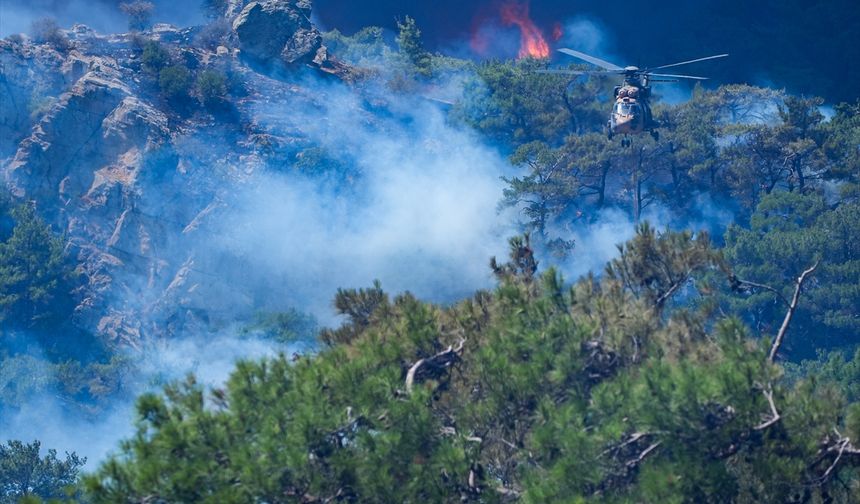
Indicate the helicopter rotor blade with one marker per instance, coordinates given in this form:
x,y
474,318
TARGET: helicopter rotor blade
x,y
560,71
591,59
675,76
690,61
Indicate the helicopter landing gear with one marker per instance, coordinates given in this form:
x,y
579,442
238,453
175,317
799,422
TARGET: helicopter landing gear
x,y
655,135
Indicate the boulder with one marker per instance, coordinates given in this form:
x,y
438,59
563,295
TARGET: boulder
x,y
278,30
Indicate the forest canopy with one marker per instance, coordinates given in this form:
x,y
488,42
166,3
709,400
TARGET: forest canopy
x,y
536,391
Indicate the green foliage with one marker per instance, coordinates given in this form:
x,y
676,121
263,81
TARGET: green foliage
x,y
365,48
211,87
82,386
546,191
175,82
291,326
834,368
34,278
411,47
536,391
25,475
359,306
656,267
728,148
787,155
841,137
22,378
788,233
510,102
641,385
154,57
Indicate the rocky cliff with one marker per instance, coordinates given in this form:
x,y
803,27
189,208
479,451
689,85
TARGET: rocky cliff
x,y
134,179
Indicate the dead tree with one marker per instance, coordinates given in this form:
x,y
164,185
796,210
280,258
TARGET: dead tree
x,y
790,313
737,284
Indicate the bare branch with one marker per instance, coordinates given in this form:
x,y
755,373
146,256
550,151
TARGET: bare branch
x,y
635,462
671,292
791,309
842,446
636,436
739,281
435,366
775,417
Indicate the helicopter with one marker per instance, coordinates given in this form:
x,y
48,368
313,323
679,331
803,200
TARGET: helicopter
x,y
631,111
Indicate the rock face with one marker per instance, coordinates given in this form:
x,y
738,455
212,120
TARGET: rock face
x,y
137,185
98,120
278,30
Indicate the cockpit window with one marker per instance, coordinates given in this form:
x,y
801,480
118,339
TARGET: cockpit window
x,y
626,108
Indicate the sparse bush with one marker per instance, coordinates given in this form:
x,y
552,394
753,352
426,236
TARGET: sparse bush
x,y
213,34
139,14
154,57
138,40
39,104
46,31
290,326
174,82
366,48
211,87
16,39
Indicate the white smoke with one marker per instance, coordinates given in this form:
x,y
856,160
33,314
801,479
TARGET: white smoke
x,y
422,217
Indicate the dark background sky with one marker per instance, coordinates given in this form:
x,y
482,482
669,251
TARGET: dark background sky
x,y
807,46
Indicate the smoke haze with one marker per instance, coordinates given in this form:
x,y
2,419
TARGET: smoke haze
x,y
418,212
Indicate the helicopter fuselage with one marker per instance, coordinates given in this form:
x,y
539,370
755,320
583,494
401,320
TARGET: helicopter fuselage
x,y
631,113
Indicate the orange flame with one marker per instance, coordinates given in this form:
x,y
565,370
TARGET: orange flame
x,y
532,42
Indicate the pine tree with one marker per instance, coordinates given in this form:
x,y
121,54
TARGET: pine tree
x,y
411,47
34,279
26,475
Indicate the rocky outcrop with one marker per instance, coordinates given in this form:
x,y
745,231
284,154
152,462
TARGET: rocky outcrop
x,y
278,30
136,184
95,123
31,78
